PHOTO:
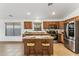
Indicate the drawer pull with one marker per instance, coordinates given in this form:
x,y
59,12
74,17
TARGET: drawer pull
x,y
45,44
30,44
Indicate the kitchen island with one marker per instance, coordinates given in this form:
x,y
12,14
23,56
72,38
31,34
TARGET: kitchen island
x,y
37,44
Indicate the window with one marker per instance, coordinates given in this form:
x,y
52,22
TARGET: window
x,y
12,29
37,26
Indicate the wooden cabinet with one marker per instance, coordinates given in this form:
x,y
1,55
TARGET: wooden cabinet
x,y
72,19
38,47
61,25
47,24
62,38
77,18
27,25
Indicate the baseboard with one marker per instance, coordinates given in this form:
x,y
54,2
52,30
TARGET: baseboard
x,y
11,41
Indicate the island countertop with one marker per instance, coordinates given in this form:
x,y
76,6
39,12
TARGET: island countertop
x,y
35,33
38,37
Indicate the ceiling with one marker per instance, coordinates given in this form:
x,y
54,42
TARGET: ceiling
x,y
37,10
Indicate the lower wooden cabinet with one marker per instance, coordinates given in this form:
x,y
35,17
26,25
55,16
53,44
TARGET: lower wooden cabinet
x,y
38,47
61,38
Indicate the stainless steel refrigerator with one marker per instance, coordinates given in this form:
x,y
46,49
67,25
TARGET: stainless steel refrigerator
x,y
71,40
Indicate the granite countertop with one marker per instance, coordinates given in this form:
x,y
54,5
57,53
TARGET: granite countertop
x,y
38,37
34,33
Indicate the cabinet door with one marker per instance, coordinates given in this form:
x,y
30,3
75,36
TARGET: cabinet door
x,y
45,25
61,25
49,24
27,25
76,18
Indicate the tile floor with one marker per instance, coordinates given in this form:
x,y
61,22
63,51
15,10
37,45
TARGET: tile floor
x,y
60,50
11,49
16,49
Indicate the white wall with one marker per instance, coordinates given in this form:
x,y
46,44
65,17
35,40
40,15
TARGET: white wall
x,y
75,13
14,38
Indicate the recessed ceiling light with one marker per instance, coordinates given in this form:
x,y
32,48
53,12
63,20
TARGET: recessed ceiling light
x,y
53,13
28,13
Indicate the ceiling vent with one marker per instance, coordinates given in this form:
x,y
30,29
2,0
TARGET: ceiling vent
x,y
49,4
10,15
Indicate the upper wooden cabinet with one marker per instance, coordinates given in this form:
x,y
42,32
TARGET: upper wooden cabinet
x,y
76,18
61,24
27,25
48,24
